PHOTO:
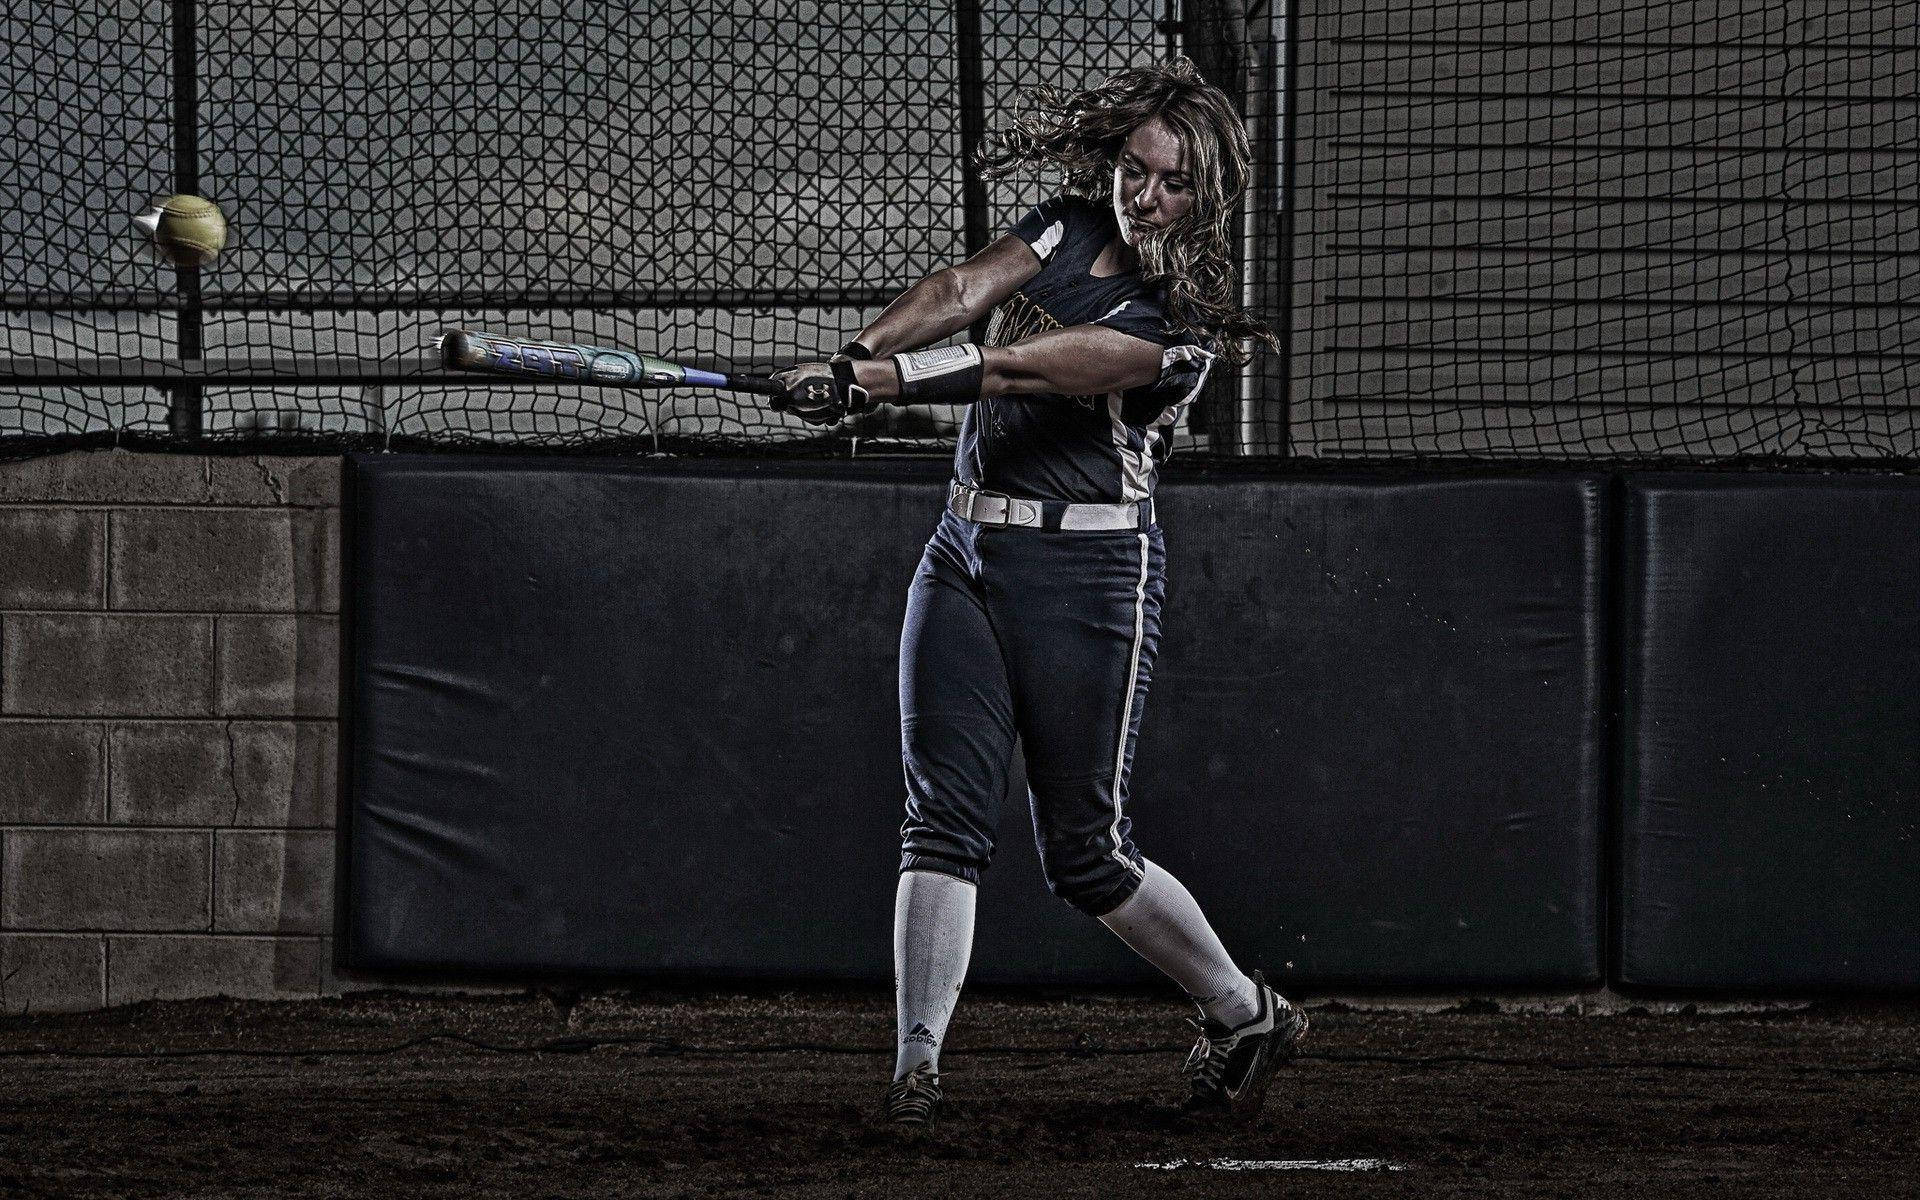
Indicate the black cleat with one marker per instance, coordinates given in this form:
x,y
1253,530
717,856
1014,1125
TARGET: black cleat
x,y
914,1097
1229,1069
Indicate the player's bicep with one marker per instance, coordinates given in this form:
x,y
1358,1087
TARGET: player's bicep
x,y
1076,361
992,275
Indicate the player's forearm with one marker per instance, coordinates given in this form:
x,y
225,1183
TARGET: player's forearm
x,y
1020,369
926,312
1015,370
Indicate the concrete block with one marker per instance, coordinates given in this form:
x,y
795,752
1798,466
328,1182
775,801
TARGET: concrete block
x,y
286,773
52,972
273,666
273,882
52,772
108,477
258,773
185,967
127,477
225,560
171,773
52,558
302,482
131,879
332,981
105,665
316,576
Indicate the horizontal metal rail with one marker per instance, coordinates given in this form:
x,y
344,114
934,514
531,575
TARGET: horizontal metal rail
x,y
352,300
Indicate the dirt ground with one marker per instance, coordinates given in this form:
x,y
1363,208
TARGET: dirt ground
x,y
774,1093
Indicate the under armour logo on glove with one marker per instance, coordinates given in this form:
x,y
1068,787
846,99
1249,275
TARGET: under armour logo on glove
x,y
821,393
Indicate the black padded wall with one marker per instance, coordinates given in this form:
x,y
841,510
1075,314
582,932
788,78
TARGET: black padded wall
x,y
640,718
1375,742
616,717
1770,820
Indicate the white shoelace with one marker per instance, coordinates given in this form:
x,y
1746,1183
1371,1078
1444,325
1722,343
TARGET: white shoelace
x,y
1207,1061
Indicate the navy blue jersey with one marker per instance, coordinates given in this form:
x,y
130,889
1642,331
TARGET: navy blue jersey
x,y
1078,448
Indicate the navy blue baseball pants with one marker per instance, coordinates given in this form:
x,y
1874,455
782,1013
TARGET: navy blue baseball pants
x,y
1050,636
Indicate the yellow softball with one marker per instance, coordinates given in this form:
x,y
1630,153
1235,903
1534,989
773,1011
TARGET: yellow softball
x,y
191,230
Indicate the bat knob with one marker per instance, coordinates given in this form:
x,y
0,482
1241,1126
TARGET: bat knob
x,y
457,349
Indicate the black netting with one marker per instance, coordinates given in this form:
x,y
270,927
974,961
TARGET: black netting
x,y
1683,231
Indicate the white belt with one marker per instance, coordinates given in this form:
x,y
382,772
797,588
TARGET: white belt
x,y
995,509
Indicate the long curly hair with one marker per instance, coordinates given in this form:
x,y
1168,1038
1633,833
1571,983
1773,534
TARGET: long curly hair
x,y
1080,134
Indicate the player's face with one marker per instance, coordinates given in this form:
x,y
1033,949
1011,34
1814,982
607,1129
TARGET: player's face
x,y
1151,187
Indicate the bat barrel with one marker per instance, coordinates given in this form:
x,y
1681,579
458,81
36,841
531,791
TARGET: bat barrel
x,y
464,350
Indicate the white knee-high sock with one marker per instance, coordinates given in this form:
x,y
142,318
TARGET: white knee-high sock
x,y
1164,925
932,941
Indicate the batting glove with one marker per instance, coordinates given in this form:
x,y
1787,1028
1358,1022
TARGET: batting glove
x,y
821,393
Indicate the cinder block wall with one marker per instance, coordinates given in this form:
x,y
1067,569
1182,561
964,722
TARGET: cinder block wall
x,y
169,647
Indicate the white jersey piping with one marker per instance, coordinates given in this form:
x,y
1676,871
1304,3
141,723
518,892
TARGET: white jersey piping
x,y
1126,709
1136,469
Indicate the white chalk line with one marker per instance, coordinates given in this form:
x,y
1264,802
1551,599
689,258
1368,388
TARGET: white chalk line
x,y
1275,1164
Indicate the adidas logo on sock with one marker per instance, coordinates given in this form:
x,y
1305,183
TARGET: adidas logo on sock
x,y
919,1033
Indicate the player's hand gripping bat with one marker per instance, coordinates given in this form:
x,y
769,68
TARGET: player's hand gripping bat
x,y
466,350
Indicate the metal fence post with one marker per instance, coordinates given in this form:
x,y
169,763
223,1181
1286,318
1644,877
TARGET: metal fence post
x,y
184,416
1281,249
969,50
1215,35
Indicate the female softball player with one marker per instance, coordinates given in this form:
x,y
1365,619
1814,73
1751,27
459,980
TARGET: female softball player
x,y
1035,611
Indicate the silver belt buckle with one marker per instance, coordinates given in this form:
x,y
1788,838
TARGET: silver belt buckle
x,y
970,498
1012,509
